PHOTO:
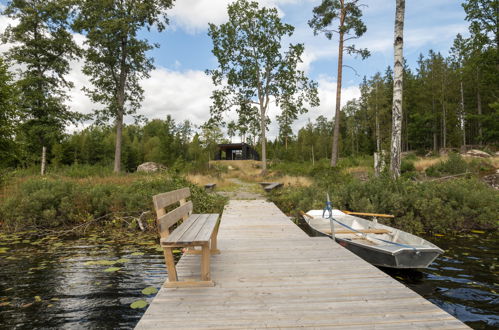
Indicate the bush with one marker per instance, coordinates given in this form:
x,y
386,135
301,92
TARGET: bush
x,y
455,164
54,200
448,206
407,166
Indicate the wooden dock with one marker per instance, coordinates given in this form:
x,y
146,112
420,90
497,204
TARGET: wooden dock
x,y
270,274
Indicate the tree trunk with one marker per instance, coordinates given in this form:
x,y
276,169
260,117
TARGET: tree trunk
x,y
120,99
336,132
463,117
398,74
444,115
435,125
313,156
479,108
117,148
44,160
376,118
264,141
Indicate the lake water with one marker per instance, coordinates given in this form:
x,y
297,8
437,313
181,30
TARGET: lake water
x,y
91,281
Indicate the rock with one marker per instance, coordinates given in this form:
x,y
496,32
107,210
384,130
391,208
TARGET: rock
x,y
492,180
496,154
477,153
150,167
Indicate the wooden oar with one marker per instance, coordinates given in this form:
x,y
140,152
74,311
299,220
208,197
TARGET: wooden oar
x,y
370,214
307,215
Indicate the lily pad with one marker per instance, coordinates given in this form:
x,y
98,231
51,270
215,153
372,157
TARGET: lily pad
x,y
38,298
177,251
123,260
138,254
112,269
478,231
439,235
100,262
138,304
149,290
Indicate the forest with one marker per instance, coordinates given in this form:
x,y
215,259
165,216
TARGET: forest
x,y
450,105
450,102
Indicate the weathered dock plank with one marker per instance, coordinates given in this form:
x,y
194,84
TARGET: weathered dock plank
x,y
270,274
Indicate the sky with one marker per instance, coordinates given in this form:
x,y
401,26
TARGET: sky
x,y
179,87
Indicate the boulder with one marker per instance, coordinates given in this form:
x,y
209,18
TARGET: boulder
x,y
150,167
492,180
477,153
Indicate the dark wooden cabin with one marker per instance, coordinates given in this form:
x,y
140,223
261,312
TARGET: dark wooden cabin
x,y
236,151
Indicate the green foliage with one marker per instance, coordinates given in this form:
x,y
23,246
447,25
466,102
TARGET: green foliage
x,y
115,57
253,67
56,200
455,164
348,15
407,166
8,115
443,207
43,46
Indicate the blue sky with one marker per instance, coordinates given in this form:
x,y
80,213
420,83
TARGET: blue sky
x,y
179,87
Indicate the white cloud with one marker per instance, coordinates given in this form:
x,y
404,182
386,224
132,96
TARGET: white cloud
x,y
181,94
193,16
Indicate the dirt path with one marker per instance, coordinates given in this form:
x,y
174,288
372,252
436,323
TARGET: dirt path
x,y
244,191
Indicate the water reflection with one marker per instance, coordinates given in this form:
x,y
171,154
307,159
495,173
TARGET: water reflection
x,y
76,282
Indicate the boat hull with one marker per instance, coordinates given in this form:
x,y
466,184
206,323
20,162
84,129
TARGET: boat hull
x,y
407,258
382,246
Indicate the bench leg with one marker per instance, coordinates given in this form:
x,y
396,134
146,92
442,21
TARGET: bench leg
x,y
205,263
170,264
213,248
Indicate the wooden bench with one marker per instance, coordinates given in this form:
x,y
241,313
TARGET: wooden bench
x,y
210,186
272,186
196,230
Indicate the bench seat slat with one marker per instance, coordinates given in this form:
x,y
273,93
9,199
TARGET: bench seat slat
x,y
183,227
208,227
199,230
190,235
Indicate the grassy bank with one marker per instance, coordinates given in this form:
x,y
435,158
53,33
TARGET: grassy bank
x,y
433,206
75,196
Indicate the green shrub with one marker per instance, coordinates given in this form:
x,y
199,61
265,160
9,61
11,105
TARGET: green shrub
x,y
54,200
455,164
407,166
448,206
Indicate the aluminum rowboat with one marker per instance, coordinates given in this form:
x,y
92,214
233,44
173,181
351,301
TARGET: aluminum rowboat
x,y
374,242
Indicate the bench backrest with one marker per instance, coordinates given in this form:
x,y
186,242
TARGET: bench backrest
x,y
162,201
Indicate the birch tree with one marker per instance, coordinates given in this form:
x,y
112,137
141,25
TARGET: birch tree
x,y
398,71
348,15
254,69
